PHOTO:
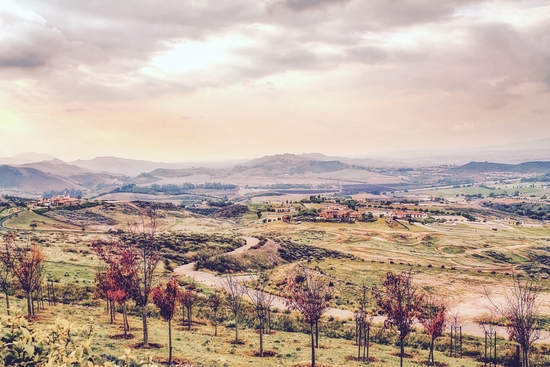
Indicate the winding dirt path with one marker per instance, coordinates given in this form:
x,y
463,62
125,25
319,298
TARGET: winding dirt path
x,y
474,307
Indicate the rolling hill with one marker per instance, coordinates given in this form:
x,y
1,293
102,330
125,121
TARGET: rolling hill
x,y
31,180
525,167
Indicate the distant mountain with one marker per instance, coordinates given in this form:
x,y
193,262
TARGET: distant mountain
x,y
128,167
25,158
56,166
289,164
169,173
363,162
512,153
31,180
525,167
543,144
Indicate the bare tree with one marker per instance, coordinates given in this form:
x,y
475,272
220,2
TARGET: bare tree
x,y
363,322
6,267
308,293
148,259
400,300
520,308
262,302
488,323
234,293
455,324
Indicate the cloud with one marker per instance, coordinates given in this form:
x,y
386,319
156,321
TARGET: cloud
x,y
301,5
68,50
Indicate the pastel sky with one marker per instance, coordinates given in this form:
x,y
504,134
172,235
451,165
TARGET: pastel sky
x,y
180,80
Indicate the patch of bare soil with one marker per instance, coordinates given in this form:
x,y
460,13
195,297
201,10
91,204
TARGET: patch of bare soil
x,y
266,354
122,336
362,359
238,342
150,346
437,364
405,355
308,364
176,362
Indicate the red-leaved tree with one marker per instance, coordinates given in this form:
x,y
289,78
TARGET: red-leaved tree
x,y
188,299
401,301
119,282
214,302
166,298
433,317
29,270
308,293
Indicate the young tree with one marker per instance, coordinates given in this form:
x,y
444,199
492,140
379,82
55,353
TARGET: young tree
x,y
188,299
166,298
234,293
214,302
521,311
103,290
140,252
363,320
400,300
433,316
6,267
117,283
262,302
29,270
147,259
308,293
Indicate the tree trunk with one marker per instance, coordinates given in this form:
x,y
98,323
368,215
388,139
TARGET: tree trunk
x,y
183,311
170,343
431,356
358,338
316,333
367,343
29,308
7,302
261,337
312,346
402,347
451,353
236,331
145,329
124,321
215,323
189,318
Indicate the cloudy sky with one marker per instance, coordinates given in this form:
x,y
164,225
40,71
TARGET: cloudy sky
x,y
180,80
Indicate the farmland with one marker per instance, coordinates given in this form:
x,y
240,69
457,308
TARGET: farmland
x,y
465,258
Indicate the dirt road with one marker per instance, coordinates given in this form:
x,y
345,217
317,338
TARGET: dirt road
x,y
468,311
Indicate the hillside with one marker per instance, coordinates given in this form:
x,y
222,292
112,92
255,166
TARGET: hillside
x,y
32,180
128,167
526,167
288,164
169,173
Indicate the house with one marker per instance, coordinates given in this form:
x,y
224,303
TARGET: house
x,y
408,215
332,213
59,200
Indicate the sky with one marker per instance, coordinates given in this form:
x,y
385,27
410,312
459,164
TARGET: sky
x,y
179,80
